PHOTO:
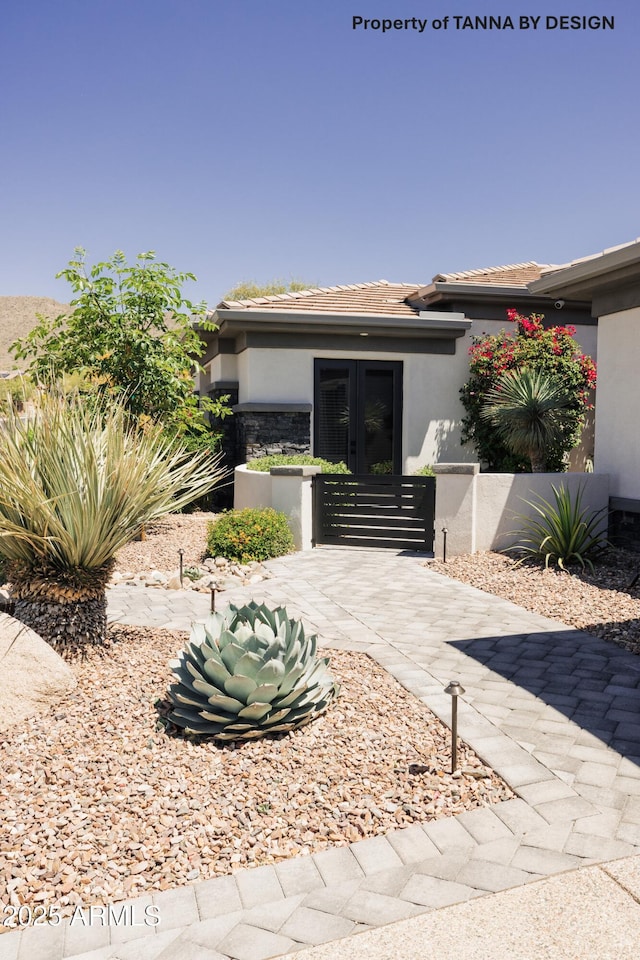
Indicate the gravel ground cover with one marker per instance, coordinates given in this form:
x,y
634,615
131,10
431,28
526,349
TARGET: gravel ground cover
x,y
159,551
100,803
603,602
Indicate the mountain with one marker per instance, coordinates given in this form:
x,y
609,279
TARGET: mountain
x,y
18,318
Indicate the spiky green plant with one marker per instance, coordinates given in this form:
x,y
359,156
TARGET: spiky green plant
x,y
246,672
563,533
530,410
76,484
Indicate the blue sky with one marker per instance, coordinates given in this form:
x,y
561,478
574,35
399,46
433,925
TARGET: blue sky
x,y
253,139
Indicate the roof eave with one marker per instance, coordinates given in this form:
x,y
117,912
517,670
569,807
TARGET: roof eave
x,y
581,280
479,291
424,324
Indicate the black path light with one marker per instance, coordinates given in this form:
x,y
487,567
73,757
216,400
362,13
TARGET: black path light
x,y
455,689
444,544
213,599
181,555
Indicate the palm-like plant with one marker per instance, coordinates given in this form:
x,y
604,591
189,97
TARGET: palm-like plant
x,y
529,409
76,484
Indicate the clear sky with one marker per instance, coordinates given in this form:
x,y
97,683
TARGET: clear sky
x,y
254,139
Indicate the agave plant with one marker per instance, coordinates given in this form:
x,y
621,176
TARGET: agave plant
x,y
246,672
562,533
76,484
530,410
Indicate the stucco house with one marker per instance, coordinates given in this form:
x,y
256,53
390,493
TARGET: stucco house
x,y
367,373
610,282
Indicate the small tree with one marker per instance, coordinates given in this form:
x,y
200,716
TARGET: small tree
x,y
530,411
131,336
551,351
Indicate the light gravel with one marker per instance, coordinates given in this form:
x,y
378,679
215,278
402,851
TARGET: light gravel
x,y
163,539
114,806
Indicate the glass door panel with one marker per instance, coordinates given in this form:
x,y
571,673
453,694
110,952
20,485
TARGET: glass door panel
x,y
334,411
358,414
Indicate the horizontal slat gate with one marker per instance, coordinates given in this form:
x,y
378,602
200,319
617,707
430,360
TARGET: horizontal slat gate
x,y
374,511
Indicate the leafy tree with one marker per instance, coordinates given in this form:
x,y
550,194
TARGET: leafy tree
x,y
130,336
249,289
530,411
552,351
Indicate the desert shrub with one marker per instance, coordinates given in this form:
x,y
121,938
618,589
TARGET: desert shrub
x,y
564,532
264,464
76,484
426,471
255,533
14,392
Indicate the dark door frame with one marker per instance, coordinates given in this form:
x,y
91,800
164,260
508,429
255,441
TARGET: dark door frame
x,y
356,430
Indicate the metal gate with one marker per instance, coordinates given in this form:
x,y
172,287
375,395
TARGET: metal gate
x,y
365,510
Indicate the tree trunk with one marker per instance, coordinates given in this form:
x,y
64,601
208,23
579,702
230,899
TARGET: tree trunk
x,y
67,627
538,462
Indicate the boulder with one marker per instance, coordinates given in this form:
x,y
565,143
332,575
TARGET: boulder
x,y
33,677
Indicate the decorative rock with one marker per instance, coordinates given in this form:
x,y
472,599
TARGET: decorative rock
x,y
33,675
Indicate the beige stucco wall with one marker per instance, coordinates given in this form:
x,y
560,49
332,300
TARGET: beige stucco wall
x,y
431,405
482,511
617,440
432,411
289,494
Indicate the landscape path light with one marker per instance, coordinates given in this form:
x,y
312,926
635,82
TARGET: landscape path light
x,y
455,689
181,555
444,544
213,599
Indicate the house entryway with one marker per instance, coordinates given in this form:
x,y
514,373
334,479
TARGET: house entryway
x,y
362,510
358,414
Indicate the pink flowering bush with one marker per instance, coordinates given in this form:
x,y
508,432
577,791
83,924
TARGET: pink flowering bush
x,y
551,350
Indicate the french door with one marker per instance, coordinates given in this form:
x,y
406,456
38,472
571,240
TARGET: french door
x,y
358,414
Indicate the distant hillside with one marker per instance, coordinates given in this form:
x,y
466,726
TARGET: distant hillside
x,y
18,317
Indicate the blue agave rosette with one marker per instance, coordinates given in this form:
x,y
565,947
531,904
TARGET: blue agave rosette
x,y
246,672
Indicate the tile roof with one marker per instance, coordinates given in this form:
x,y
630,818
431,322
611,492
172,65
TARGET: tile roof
x,y
378,298
510,275
382,298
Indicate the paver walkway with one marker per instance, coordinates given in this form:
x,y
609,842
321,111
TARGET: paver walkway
x,y
555,711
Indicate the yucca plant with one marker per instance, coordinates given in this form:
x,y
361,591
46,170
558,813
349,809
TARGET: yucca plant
x,y
530,410
76,484
564,532
246,672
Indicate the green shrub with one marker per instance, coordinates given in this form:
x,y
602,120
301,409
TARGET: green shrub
x,y
264,464
426,471
255,533
564,533
381,468
14,392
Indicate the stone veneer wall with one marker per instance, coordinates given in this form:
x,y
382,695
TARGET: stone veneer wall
x,y
261,433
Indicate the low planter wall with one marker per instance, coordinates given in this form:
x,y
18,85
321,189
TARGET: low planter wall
x,y
286,489
480,510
